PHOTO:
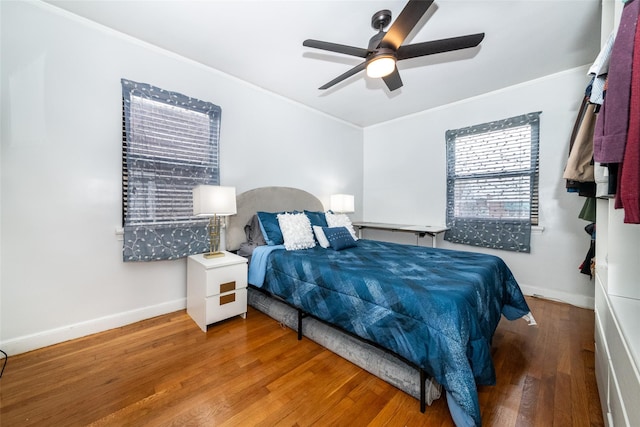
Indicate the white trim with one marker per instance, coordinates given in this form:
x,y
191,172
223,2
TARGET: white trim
x,y
537,229
54,336
582,301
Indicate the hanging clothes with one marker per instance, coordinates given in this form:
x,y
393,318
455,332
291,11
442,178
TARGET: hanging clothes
x,y
587,266
601,174
580,163
629,192
588,211
583,185
599,70
613,120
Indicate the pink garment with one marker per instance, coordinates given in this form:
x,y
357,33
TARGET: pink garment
x,y
630,176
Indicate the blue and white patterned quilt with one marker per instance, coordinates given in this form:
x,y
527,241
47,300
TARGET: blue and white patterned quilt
x,y
437,308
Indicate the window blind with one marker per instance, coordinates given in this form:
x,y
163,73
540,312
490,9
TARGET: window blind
x,y
492,183
170,145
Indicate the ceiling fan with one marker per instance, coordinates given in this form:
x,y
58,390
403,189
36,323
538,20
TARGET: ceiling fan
x,y
385,48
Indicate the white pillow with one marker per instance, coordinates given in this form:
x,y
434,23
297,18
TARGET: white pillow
x,y
296,231
322,239
340,220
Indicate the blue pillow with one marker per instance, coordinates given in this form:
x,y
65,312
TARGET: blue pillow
x,y
270,228
317,218
339,238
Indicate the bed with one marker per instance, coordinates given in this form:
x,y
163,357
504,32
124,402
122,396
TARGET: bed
x,y
428,310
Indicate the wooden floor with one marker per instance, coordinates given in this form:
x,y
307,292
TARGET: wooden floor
x,y
166,371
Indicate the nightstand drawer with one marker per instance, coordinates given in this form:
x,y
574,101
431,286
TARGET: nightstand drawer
x,y
220,307
221,280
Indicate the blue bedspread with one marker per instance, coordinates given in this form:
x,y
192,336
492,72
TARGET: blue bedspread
x,y
437,308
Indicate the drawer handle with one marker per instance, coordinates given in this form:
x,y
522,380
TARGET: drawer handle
x,y
226,299
226,287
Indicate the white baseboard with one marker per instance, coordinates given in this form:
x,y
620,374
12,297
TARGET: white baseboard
x,y
65,333
559,296
54,336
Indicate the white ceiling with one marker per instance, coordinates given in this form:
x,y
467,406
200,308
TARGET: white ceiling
x,y
261,42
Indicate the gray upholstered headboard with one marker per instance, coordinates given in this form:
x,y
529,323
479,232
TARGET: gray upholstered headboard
x,y
267,199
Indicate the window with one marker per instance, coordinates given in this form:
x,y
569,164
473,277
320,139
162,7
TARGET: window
x,y
170,144
492,183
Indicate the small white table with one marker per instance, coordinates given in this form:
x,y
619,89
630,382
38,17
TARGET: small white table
x,y
418,230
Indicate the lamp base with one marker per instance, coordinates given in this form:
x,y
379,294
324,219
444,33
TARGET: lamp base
x,y
213,254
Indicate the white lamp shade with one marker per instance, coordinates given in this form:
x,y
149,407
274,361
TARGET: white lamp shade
x,y
342,203
209,200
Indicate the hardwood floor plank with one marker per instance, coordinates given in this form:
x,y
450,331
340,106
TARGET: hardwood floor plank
x,y
253,372
562,415
526,411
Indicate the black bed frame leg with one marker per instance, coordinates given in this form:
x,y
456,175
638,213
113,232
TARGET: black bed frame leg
x,y
423,394
300,316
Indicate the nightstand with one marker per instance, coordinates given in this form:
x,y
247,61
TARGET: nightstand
x,y
216,288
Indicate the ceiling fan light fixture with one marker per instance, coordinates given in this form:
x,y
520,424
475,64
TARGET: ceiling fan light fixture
x,y
386,48
381,66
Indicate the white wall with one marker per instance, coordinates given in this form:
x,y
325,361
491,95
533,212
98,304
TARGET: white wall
x,y
61,272
405,179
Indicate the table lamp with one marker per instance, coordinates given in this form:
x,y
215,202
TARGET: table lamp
x,y
214,201
342,203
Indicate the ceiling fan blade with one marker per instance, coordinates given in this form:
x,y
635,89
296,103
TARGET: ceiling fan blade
x,y
393,80
438,46
404,23
343,76
335,47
